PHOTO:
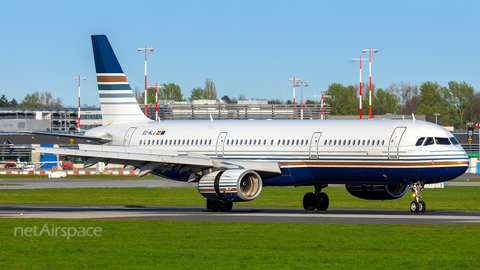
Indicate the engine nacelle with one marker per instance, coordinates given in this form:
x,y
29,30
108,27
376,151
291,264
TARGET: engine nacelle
x,y
231,185
377,192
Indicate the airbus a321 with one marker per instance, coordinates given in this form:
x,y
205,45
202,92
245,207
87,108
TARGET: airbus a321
x,y
232,160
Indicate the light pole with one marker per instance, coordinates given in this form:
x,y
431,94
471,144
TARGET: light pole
x,y
156,99
370,75
294,84
360,59
302,84
146,49
321,103
79,79
436,114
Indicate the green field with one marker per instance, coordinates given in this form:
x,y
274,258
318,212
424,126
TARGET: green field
x,y
449,198
158,244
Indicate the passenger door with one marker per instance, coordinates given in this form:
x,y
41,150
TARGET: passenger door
x,y
128,136
220,144
314,145
394,143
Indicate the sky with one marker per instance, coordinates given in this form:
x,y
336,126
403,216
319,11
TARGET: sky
x,y
245,47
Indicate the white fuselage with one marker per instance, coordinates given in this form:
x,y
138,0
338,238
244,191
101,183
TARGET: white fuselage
x,y
309,151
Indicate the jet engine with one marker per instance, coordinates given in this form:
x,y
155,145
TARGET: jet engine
x,y
231,185
377,192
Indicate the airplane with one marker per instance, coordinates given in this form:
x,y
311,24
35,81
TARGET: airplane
x,y
231,160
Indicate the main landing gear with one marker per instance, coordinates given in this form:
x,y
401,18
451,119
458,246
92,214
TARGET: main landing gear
x,y
214,206
318,200
417,205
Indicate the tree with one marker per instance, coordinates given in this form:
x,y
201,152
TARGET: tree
x,y
462,94
384,102
13,103
242,97
210,89
226,99
171,92
46,100
30,101
343,100
407,95
4,101
197,94
435,99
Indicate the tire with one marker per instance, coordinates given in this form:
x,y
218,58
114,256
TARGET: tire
x,y
310,201
323,202
422,206
213,206
414,206
226,207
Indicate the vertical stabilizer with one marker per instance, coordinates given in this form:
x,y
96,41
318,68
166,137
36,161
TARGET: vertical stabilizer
x,y
117,100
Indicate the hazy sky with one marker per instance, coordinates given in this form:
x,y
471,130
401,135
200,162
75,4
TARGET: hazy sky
x,y
245,47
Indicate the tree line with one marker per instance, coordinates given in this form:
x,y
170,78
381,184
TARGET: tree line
x,y
34,100
456,104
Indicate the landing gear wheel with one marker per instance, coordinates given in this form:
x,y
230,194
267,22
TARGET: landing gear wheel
x,y
310,201
421,206
226,207
213,206
414,206
323,202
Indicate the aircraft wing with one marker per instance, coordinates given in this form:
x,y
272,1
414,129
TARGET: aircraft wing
x,y
99,140
148,160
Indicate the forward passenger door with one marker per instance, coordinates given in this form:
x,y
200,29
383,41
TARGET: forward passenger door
x,y
314,145
394,143
220,146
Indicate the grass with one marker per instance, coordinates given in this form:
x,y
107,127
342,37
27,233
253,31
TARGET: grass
x,y
159,244
448,198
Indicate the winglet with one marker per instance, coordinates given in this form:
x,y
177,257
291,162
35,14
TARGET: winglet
x,y
413,117
12,147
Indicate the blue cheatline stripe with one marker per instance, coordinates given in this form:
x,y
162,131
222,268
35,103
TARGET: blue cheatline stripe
x,y
117,95
117,103
114,87
105,59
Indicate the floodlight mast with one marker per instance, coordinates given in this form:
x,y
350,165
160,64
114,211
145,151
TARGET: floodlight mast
x,y
294,82
360,59
156,99
370,75
321,103
146,49
79,79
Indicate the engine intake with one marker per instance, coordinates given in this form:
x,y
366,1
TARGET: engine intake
x,y
231,185
377,192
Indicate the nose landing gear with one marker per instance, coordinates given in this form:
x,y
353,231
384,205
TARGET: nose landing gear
x,y
417,205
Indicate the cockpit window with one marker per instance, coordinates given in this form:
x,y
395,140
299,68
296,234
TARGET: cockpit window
x,y
420,141
453,140
429,141
443,141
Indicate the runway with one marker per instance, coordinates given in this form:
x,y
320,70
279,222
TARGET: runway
x,y
240,214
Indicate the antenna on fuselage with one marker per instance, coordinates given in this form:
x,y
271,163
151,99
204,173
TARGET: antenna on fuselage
x,y
211,118
413,117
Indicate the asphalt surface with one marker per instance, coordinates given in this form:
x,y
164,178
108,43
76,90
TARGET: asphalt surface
x,y
239,214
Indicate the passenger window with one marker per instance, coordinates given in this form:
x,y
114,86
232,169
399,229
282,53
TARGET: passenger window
x,y
368,142
373,142
148,142
378,142
349,141
442,141
306,142
429,141
302,142
453,140
271,142
330,143
174,142
283,142
278,142
288,142
353,142
383,142
363,143
344,142
264,142
209,142
420,141
358,143
335,142
196,142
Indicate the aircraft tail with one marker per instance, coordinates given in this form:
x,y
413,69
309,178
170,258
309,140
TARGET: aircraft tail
x,y
117,101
